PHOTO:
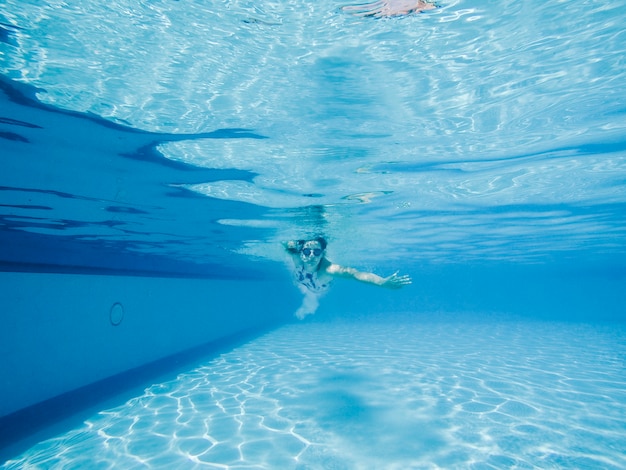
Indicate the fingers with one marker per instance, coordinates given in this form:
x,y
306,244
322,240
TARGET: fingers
x,y
396,281
404,279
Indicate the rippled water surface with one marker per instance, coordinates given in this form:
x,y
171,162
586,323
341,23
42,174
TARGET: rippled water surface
x,y
455,393
479,130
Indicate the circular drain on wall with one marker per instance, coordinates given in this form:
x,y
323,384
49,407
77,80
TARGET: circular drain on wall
x,y
116,315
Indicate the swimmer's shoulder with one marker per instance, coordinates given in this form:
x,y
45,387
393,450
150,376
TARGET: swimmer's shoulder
x,y
336,269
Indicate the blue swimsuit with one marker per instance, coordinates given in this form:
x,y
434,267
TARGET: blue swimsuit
x,y
310,280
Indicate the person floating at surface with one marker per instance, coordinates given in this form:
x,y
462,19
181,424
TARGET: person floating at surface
x,y
314,273
389,8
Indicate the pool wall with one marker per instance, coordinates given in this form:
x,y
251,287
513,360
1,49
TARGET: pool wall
x,y
71,342
64,331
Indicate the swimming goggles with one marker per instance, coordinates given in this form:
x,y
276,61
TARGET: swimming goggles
x,y
307,251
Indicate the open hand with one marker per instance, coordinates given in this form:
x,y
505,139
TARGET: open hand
x,y
396,282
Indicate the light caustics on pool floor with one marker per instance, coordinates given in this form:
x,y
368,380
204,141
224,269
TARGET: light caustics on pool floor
x,y
375,394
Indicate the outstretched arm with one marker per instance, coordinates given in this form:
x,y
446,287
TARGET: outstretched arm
x,y
391,282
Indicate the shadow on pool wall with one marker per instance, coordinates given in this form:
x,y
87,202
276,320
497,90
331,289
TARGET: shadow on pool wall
x,y
558,292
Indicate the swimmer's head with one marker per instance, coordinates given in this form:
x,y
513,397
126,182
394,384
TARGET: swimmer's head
x,y
312,251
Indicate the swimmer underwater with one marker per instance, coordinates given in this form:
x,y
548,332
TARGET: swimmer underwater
x,y
314,272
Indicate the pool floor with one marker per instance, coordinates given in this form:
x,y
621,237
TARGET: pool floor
x,y
397,392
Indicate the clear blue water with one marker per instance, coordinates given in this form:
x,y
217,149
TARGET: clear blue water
x,y
480,131
479,147
443,393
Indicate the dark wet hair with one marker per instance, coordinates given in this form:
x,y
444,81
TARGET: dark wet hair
x,y
320,240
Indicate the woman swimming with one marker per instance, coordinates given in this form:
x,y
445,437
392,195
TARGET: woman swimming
x,y
314,273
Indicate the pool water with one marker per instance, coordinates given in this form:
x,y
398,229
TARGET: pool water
x,y
478,131
420,391
479,147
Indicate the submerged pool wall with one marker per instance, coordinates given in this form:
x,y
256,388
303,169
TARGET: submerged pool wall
x,y
71,342
64,331
61,332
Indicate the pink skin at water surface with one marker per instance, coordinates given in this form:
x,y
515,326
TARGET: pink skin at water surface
x,y
390,8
